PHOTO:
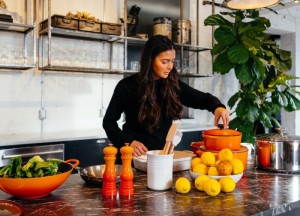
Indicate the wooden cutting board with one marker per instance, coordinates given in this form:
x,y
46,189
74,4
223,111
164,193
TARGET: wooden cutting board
x,y
183,154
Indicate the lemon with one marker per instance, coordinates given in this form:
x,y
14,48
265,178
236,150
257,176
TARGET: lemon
x,y
200,169
217,162
212,187
195,160
183,185
199,182
227,184
212,171
224,168
208,158
225,155
237,166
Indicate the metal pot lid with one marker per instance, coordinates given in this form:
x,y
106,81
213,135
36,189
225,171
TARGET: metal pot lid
x,y
280,136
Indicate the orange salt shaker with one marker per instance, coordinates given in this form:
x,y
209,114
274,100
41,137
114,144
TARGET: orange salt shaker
x,y
109,187
126,175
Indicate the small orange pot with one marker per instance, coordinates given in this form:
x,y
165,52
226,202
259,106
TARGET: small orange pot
x,y
218,139
195,146
241,154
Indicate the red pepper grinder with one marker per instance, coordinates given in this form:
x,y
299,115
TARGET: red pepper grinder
x,y
109,187
126,175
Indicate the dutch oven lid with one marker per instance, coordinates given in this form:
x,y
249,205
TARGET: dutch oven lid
x,y
280,136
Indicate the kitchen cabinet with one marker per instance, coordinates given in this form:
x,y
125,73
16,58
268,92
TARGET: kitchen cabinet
x,y
88,152
67,58
18,36
187,139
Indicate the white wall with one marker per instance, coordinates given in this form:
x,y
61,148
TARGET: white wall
x,y
72,100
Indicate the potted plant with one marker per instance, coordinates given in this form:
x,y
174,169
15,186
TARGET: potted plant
x,y
260,68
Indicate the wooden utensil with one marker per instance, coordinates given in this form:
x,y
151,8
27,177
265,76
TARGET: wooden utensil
x,y
169,147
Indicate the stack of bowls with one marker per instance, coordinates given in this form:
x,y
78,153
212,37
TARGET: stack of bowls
x,y
215,140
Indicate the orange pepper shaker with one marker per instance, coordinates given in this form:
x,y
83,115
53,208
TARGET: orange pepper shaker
x,y
109,187
126,175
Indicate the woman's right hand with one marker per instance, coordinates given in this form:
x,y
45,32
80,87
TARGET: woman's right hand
x,y
139,148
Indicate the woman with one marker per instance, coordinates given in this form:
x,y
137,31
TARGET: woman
x,y
152,99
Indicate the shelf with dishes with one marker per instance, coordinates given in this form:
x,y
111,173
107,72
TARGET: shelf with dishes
x,y
130,41
112,38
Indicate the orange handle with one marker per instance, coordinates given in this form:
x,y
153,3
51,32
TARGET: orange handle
x,y
74,162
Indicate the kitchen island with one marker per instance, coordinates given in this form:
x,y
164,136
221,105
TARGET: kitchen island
x,y
257,193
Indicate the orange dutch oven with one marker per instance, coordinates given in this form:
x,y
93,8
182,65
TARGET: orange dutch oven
x,y
31,188
218,139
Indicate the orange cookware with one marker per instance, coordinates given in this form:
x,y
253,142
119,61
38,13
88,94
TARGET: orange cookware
x,y
31,188
218,139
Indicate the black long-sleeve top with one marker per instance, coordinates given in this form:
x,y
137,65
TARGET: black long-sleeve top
x,y
125,99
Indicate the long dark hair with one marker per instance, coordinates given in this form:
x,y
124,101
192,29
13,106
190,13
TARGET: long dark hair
x,y
170,106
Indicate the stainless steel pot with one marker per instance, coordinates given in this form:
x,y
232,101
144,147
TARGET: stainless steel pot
x,y
94,174
278,152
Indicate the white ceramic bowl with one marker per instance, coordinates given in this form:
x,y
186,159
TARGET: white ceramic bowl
x,y
236,178
181,161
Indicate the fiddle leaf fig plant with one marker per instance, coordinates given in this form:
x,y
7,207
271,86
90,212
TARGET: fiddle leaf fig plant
x,y
260,67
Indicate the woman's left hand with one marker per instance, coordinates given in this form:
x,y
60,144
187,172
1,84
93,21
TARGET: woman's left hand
x,y
222,113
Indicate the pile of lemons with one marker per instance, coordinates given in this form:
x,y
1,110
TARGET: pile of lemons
x,y
210,165
222,165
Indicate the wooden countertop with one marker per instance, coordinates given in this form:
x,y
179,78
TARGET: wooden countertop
x,y
257,193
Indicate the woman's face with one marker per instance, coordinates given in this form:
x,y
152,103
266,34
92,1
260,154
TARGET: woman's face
x,y
163,64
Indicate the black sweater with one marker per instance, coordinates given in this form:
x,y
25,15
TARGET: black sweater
x,y
125,100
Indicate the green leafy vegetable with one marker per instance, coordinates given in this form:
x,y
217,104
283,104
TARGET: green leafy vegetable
x,y
35,167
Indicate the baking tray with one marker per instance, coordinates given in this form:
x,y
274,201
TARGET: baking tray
x,y
60,21
111,28
181,161
89,26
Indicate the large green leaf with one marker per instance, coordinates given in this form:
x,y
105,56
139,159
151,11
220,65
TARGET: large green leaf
x,y
233,99
238,54
281,79
225,36
276,123
265,120
244,126
284,55
253,112
243,73
258,68
216,20
247,110
259,25
293,102
283,66
218,48
265,21
251,44
279,97
222,65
